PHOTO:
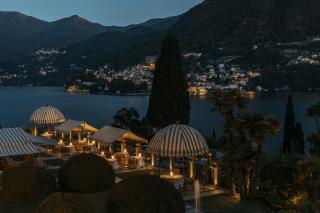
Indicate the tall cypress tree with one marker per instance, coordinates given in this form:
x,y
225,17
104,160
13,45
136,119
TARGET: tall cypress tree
x,y
169,100
289,127
299,139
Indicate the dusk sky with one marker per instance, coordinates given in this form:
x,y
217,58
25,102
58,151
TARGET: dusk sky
x,y
107,12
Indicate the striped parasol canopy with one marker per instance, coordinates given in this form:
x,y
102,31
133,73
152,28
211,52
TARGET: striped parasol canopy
x,y
178,141
72,125
47,115
15,141
109,134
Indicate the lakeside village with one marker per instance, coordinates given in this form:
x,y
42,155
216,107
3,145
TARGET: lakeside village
x,y
203,75
137,79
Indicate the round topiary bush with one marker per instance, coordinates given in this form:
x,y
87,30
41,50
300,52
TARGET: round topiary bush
x,y
86,173
145,193
64,202
26,183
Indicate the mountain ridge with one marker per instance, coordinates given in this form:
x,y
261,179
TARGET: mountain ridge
x,y
22,34
217,28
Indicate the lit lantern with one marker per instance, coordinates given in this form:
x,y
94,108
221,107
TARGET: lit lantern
x,y
139,154
171,174
102,152
125,151
112,157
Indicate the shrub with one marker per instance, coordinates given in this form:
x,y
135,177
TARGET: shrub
x,y
64,202
26,183
86,173
145,193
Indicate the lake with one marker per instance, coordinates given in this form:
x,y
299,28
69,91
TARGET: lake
x,y
17,104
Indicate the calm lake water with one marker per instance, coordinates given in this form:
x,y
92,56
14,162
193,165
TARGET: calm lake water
x,y
17,104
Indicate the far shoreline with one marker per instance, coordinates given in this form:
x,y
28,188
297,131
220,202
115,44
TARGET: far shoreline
x,y
148,93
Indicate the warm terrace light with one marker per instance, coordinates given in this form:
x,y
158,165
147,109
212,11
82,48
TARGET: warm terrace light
x,y
112,157
171,174
125,151
139,154
102,152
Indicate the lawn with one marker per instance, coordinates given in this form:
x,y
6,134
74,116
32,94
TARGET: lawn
x,y
228,204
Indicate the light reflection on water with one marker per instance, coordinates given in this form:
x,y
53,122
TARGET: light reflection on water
x,y
17,103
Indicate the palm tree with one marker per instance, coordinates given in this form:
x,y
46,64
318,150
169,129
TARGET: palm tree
x,y
314,141
257,127
314,112
244,135
226,102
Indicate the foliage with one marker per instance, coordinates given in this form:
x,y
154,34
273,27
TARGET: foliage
x,y
169,100
226,102
314,139
308,179
145,193
244,136
86,173
314,112
126,118
64,202
129,118
296,186
289,77
26,183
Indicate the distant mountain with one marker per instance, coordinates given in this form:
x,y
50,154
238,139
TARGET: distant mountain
x,y
21,34
122,47
233,23
251,29
214,27
18,25
68,30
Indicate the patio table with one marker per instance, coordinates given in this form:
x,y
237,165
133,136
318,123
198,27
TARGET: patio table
x,y
114,163
92,147
47,135
177,180
139,161
71,149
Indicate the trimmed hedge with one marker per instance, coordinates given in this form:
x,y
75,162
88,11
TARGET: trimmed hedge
x,y
145,193
86,173
26,183
64,202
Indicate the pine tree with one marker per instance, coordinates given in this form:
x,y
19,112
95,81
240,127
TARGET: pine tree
x,y
289,127
169,100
